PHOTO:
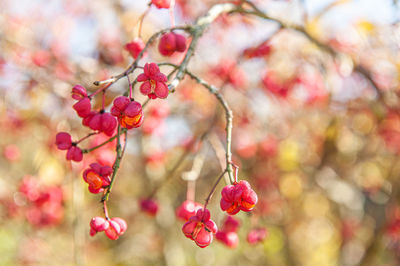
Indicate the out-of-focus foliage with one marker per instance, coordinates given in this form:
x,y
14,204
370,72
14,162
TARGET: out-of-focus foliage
x,y
317,139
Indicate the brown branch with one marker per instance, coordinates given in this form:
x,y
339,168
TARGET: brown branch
x,y
228,115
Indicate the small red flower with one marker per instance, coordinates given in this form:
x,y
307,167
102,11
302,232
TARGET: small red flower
x,y
153,82
161,3
256,235
200,228
74,153
238,197
128,112
170,43
149,206
78,92
135,47
98,177
101,121
187,210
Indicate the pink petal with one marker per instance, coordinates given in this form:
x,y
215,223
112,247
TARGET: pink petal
x,y
133,109
145,88
142,77
63,140
121,102
153,70
161,90
160,77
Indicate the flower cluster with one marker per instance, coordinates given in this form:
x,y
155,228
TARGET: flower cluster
x,y
200,228
113,228
238,196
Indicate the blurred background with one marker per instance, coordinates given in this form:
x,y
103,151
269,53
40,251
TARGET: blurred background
x,y
316,132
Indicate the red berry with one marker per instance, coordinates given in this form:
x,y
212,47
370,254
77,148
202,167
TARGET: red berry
x,y
135,47
187,210
238,197
129,113
149,206
256,235
82,107
78,92
230,239
113,231
200,228
99,224
171,43
98,177
63,141
74,153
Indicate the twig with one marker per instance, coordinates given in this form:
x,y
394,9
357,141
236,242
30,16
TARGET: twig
x,y
115,165
228,115
213,189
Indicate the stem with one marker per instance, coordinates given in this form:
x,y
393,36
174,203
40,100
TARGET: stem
x,y
105,210
191,190
103,100
115,165
228,116
130,87
213,189
87,136
101,89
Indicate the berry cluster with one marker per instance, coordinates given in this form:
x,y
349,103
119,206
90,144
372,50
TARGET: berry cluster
x,y
238,197
200,228
113,228
170,43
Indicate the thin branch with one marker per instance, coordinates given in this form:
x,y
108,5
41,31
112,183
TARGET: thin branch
x,y
115,165
213,189
228,115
